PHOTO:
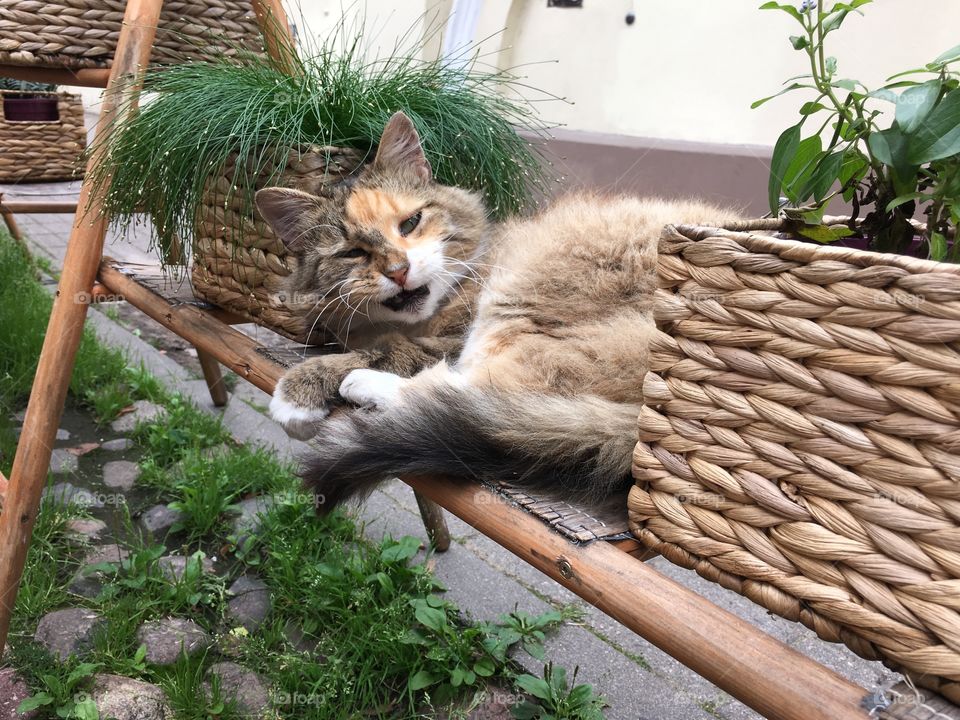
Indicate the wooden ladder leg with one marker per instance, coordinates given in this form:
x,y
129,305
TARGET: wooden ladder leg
x,y
12,227
66,320
213,377
434,522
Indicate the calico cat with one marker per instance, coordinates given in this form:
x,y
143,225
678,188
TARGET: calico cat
x,y
547,389
385,263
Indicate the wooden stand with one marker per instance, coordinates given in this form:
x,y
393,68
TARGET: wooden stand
x,y
739,658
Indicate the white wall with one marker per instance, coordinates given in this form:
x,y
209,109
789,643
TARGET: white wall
x,y
686,69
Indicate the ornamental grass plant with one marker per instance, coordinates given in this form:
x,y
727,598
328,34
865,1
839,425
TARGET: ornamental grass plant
x,y
197,116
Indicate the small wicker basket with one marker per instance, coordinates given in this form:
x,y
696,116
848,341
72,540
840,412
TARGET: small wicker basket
x,y
47,150
238,262
801,442
84,33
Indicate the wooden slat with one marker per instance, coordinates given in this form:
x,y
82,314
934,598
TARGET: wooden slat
x,y
198,327
772,678
62,338
3,488
27,207
85,77
272,19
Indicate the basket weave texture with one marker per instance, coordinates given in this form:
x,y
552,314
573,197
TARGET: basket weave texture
x,y
44,150
239,263
84,33
801,439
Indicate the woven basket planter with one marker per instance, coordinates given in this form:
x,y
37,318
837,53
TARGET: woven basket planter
x,y
43,150
84,33
238,262
801,443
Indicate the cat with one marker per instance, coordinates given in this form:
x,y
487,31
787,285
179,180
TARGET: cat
x,y
385,263
546,390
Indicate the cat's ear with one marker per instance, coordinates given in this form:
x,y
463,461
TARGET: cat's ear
x,y
400,149
290,213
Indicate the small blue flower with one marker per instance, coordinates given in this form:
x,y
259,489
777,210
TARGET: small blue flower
x,y
808,5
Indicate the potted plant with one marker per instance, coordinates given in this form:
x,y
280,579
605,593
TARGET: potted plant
x,y
26,101
892,152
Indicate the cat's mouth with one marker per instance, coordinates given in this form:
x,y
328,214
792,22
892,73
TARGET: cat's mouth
x,y
407,300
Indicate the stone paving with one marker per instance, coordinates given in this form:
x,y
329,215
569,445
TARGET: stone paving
x,y
639,681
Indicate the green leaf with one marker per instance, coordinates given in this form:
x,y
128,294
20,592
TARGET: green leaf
x,y
525,711
898,201
825,234
939,136
792,86
457,676
884,94
420,680
915,103
404,549
580,694
34,701
83,670
534,648
783,152
938,246
86,709
432,618
811,107
890,147
948,56
830,65
799,42
787,8
823,177
851,173
845,84
484,667
796,178
535,686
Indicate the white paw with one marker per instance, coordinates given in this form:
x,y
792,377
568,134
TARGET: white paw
x,y
299,422
372,388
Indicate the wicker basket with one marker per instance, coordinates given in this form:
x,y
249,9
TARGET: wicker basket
x,y
43,150
84,33
238,262
801,443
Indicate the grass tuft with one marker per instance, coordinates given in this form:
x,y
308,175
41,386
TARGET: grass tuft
x,y
203,113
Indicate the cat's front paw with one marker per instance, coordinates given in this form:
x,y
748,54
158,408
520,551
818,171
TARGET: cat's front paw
x,y
299,420
372,388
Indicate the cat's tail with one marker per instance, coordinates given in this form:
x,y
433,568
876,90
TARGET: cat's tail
x,y
577,448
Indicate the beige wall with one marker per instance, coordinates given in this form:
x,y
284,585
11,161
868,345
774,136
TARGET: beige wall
x,y
685,70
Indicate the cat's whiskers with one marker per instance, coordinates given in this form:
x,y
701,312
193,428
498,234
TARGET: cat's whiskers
x,y
346,336
455,287
313,326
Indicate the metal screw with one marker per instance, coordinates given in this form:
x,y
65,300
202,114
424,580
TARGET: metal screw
x,y
566,569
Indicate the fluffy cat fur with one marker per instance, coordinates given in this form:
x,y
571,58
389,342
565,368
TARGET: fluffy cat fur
x,y
547,389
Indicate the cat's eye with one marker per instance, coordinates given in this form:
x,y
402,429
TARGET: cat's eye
x,y
354,252
410,224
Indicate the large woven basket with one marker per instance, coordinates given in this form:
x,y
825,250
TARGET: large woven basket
x,y
43,150
238,262
84,33
801,440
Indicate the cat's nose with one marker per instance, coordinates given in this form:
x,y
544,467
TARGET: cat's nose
x,y
398,273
